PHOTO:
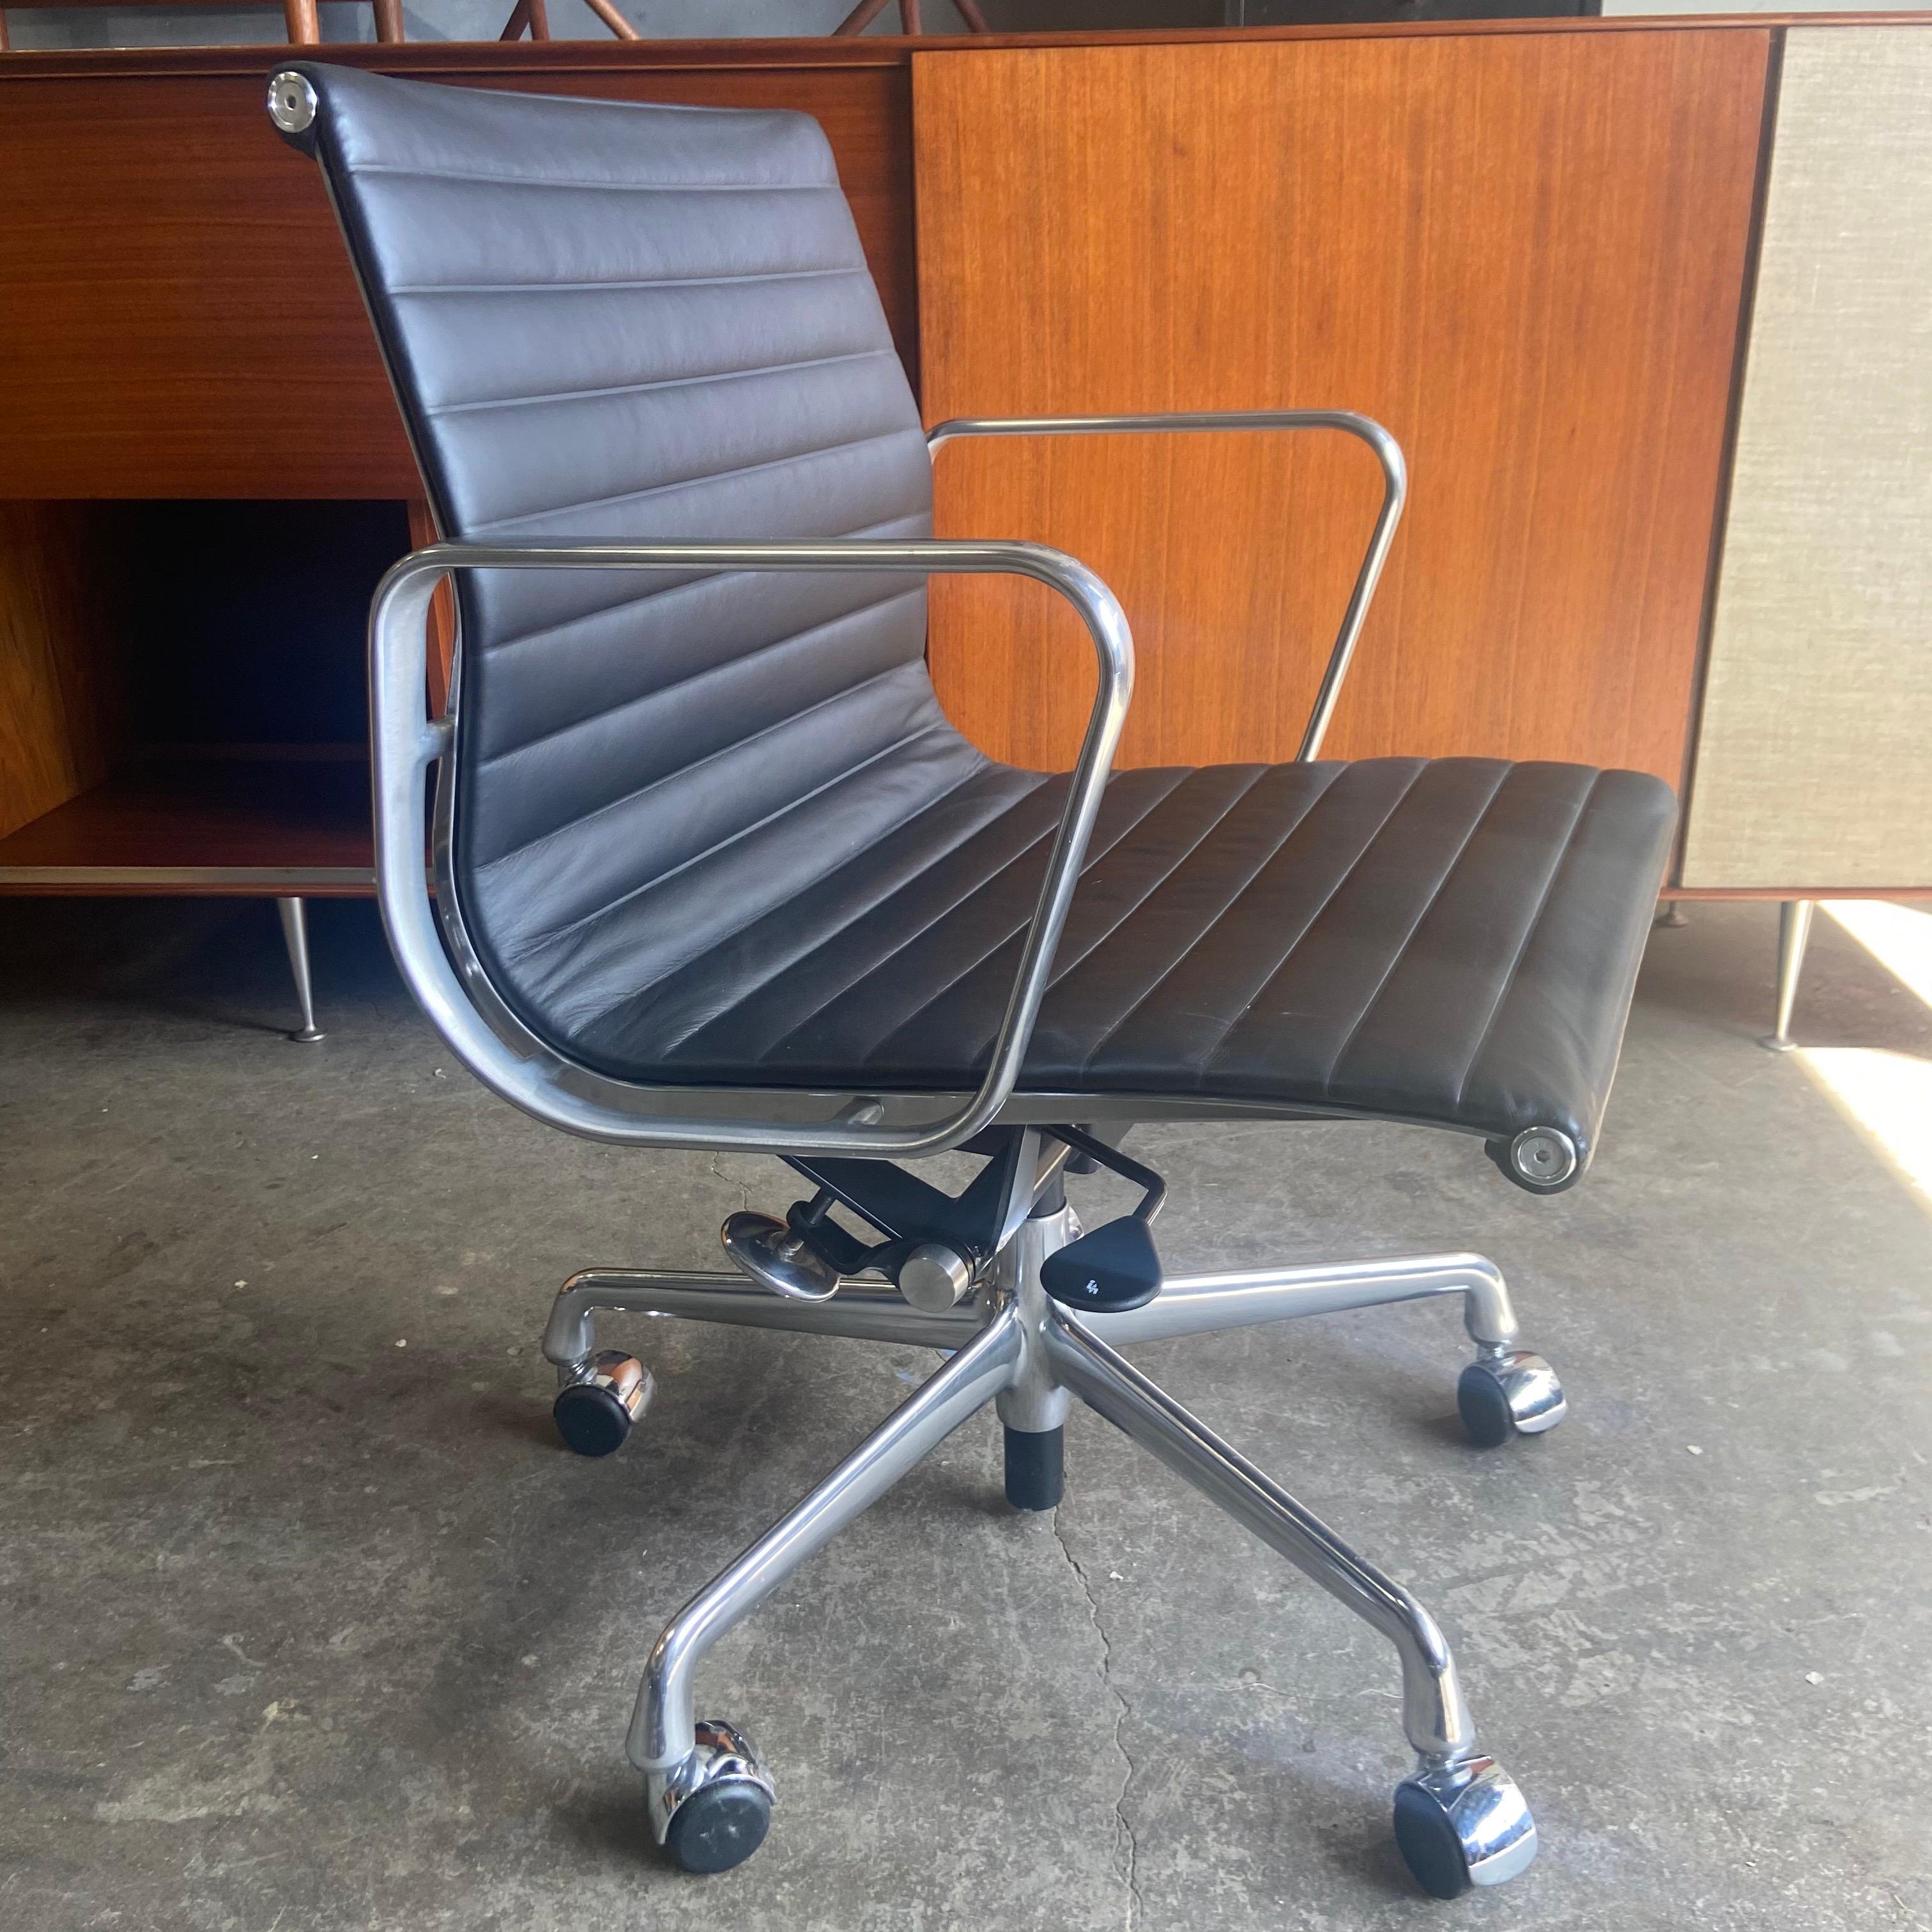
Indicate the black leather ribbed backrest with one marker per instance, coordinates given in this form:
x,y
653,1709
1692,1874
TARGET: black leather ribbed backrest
x,y
616,322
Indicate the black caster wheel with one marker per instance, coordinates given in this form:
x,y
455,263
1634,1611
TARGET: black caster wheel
x,y
1463,1825
712,1812
594,1414
1428,1845
1504,1396
719,1826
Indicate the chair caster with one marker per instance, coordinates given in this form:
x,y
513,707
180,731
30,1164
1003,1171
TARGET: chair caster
x,y
594,1412
713,1810
1504,1396
1462,1824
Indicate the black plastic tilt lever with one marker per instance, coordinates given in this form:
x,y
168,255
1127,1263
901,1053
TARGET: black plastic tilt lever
x,y
1115,1267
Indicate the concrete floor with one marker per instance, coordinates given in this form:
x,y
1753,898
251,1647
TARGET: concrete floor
x,y
308,1623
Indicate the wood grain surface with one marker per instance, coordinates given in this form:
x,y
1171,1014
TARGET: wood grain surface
x,y
176,311
62,711
1524,253
274,811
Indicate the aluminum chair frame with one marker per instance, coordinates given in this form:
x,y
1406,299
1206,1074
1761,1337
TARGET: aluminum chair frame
x,y
1459,1819
1011,1345
443,970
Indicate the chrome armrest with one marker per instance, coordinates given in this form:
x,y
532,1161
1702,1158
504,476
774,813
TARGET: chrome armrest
x,y
1395,487
526,1071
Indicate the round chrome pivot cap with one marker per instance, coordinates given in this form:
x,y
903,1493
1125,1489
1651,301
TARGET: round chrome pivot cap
x,y
932,1277
1543,1156
292,102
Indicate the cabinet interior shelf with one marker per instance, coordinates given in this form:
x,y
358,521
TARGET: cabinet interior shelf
x,y
260,819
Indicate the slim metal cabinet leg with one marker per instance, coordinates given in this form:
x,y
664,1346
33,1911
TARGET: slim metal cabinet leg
x,y
295,935
1794,934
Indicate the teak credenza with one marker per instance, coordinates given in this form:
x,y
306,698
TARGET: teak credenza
x,y
1658,498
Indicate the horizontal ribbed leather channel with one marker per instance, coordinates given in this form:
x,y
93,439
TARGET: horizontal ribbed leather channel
x,y
716,830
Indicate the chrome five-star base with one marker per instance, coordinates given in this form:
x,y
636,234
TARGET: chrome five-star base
x,y
1459,1818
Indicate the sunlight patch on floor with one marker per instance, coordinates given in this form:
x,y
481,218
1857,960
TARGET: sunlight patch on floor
x,y
1898,937
1888,1097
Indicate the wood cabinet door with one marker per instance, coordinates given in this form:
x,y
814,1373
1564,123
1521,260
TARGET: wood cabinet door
x,y
1524,253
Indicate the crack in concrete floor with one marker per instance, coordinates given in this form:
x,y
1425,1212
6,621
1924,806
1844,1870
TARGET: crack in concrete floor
x,y
1706,1669
1124,1829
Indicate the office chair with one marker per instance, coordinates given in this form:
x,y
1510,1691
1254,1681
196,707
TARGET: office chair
x,y
711,869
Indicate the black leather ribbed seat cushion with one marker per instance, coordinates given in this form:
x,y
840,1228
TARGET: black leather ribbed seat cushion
x,y
1451,939
716,830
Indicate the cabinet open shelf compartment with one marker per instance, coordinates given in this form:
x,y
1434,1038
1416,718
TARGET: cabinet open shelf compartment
x,y
200,669
271,819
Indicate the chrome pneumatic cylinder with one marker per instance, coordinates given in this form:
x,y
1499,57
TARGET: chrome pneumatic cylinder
x,y
1034,1401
